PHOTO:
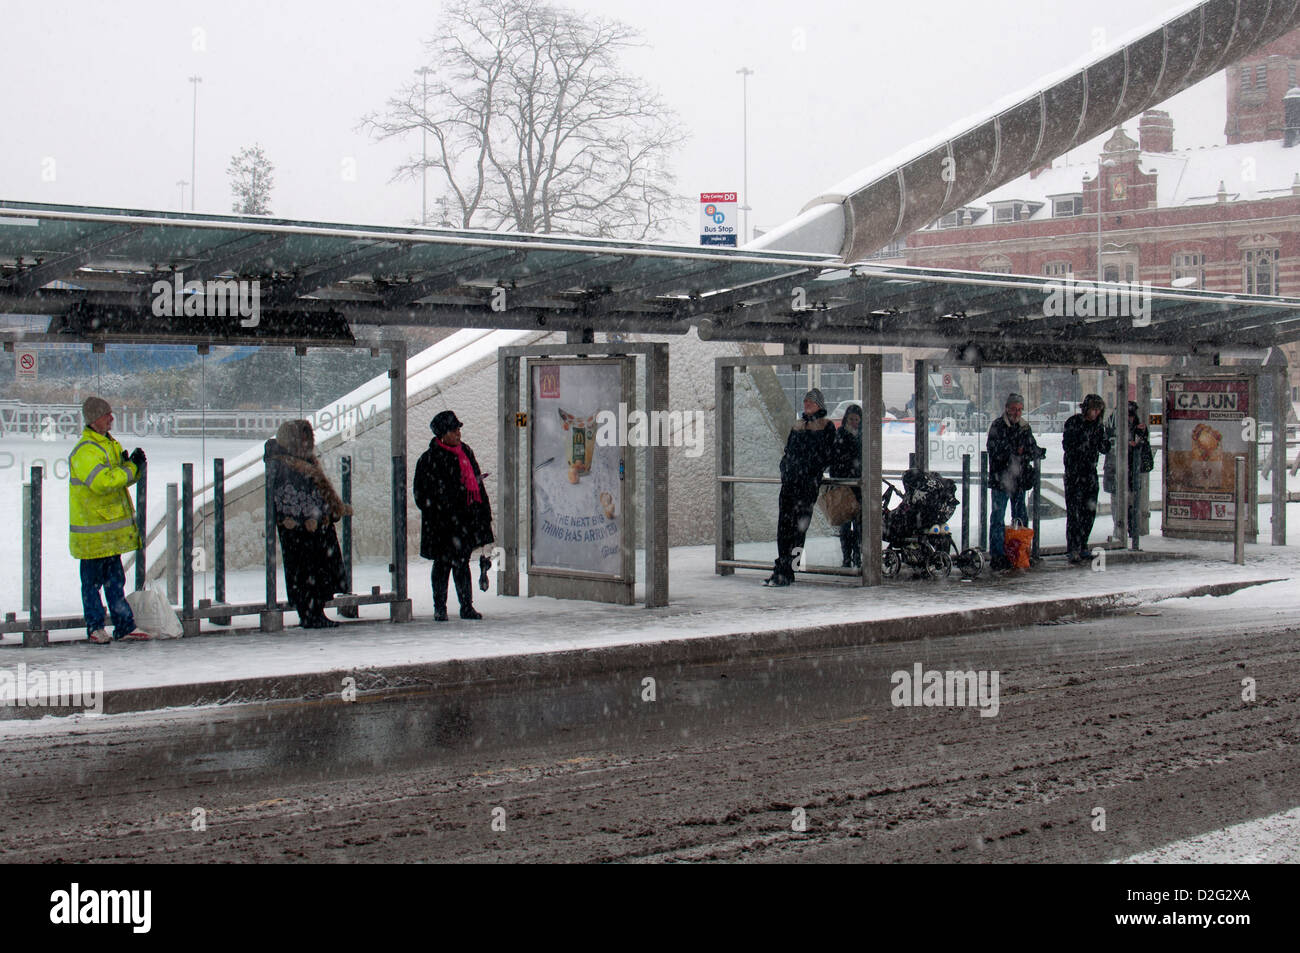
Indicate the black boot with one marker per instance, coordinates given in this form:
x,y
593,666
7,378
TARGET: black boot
x,y
438,577
460,575
782,573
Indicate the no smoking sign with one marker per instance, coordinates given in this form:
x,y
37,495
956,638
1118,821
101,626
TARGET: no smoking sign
x,y
27,365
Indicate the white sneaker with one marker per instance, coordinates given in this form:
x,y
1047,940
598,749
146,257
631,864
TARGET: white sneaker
x,y
137,636
100,636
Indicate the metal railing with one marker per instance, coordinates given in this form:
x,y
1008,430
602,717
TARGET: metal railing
x,y
180,561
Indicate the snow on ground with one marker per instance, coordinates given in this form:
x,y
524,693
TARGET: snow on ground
x,y
702,604
1268,840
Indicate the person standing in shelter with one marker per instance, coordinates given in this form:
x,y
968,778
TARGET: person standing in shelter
x,y
1084,440
456,516
1013,459
102,522
306,509
1140,461
808,451
846,463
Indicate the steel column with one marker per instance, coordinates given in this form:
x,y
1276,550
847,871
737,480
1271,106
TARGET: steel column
x,y
400,610
872,453
724,391
35,635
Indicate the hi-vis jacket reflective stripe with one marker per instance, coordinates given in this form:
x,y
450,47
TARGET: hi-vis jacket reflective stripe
x,y
100,514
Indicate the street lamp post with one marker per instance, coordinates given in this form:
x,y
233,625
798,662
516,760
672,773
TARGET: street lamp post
x,y
424,72
745,72
194,140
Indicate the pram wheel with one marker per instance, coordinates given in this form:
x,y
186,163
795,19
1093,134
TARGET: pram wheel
x,y
891,563
970,562
940,563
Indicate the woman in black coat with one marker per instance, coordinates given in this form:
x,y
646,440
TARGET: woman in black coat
x,y
306,509
456,517
807,454
846,462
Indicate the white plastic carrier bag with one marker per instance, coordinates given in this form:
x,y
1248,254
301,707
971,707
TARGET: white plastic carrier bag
x,y
153,614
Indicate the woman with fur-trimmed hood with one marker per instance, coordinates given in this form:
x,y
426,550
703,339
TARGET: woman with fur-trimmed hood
x,y
306,509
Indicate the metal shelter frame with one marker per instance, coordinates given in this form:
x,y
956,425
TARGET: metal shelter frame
x,y
36,627
868,370
654,459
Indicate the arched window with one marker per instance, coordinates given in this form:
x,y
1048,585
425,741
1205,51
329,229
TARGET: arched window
x,y
1260,271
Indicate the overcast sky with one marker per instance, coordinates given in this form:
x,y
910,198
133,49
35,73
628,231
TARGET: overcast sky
x,y
102,90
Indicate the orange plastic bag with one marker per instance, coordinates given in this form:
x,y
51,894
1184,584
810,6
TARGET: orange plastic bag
x,y
1018,543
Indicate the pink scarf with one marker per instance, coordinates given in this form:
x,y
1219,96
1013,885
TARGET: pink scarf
x,y
467,476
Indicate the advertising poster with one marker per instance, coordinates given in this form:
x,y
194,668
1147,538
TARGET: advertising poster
x,y
576,484
1208,424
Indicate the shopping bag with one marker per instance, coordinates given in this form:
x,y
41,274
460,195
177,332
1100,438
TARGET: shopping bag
x,y
839,505
1018,543
153,614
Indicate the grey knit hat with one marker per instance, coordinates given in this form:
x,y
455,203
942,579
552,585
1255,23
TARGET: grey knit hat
x,y
1014,398
816,397
95,407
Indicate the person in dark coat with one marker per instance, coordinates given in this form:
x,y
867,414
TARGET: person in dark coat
x,y
1013,460
1084,440
846,463
456,517
1140,461
807,454
306,509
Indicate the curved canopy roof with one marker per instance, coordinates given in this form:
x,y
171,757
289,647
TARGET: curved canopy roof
x,y
95,272
925,181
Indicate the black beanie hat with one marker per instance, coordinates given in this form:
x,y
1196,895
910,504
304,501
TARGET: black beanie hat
x,y
444,422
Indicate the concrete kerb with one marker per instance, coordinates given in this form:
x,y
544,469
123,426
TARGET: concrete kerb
x,y
645,658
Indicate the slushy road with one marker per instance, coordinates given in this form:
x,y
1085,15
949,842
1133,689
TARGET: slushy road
x,y
1139,715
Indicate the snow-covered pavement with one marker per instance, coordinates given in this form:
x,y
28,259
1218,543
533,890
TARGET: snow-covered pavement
x,y
702,605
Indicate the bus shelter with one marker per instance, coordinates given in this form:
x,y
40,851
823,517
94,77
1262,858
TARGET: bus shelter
x,y
106,276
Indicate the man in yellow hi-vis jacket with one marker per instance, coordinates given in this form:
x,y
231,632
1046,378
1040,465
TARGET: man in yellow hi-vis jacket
x,y
102,520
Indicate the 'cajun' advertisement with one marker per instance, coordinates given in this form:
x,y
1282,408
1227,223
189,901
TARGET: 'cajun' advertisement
x,y
1208,424
576,491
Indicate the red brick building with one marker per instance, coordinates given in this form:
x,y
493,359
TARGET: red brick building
x,y
1225,218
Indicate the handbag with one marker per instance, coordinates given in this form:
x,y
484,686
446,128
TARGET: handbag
x,y
1017,544
1148,458
839,504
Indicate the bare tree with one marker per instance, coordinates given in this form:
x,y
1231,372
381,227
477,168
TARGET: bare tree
x,y
252,177
533,127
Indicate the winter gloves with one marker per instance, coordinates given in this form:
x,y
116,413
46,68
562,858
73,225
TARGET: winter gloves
x,y
137,457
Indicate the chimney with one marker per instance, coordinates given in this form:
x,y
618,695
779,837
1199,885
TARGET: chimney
x,y
1291,104
1156,131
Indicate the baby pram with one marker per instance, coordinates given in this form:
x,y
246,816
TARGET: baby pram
x,y
915,530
